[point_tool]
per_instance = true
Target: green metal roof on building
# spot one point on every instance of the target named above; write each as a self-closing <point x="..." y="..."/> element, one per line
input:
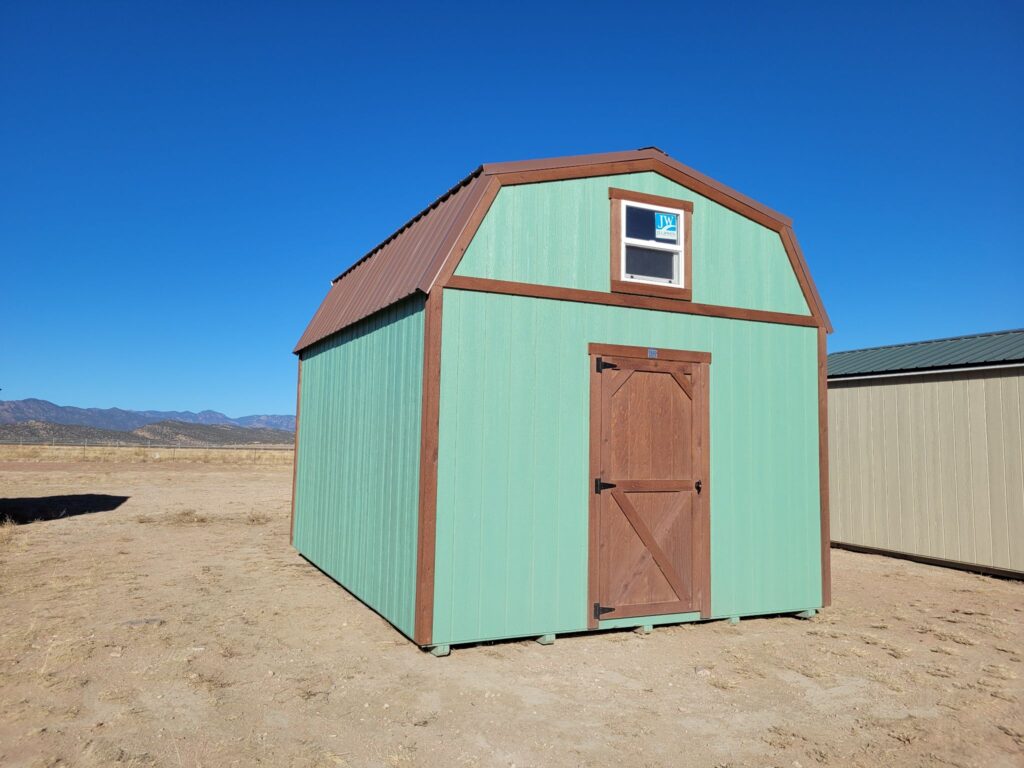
<point x="982" y="349"/>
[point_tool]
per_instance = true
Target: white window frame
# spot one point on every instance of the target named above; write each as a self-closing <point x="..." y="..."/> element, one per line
<point x="678" y="248"/>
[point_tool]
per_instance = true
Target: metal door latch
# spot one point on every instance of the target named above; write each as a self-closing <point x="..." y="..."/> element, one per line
<point x="697" y="486"/>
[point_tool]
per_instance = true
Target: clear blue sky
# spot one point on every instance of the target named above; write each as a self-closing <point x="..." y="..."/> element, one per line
<point x="179" y="182"/>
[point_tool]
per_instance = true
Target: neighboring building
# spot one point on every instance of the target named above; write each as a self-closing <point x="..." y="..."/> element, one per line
<point x="613" y="422"/>
<point x="925" y="449"/>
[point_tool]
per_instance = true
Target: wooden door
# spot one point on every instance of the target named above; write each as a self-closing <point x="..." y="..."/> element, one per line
<point x="649" y="526"/>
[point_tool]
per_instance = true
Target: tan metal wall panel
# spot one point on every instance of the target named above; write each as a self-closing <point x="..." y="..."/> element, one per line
<point x="930" y="465"/>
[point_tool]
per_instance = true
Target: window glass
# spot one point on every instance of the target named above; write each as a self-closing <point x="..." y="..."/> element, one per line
<point x="647" y="224"/>
<point x="650" y="264"/>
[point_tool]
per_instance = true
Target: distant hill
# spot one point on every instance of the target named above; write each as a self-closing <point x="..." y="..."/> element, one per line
<point x="21" y="411"/>
<point x="160" y="433"/>
<point x="45" y="432"/>
<point x="213" y="434"/>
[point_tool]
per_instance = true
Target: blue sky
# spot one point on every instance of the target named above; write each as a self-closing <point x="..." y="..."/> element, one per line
<point x="180" y="181"/>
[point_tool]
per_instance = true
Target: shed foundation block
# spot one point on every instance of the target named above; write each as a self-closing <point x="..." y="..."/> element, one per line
<point x="440" y="650"/>
<point x="810" y="613"/>
<point x="546" y="639"/>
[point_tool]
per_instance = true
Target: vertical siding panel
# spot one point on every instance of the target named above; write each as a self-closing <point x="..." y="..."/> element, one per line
<point x="521" y="480"/>
<point x="448" y="421"/>
<point x="982" y="517"/>
<point x="995" y="431"/>
<point x="853" y="408"/>
<point x="904" y="540"/>
<point x="494" y="471"/>
<point x="357" y="484"/>
<point x="469" y="502"/>
<point x="568" y="464"/>
<point x="867" y="447"/>
<point x="964" y="475"/>
<point x="1013" y="412"/>
<point x="893" y="478"/>
<point x="949" y="541"/>
<point x="931" y="535"/>
<point x="725" y="450"/>
<point x="835" y="409"/>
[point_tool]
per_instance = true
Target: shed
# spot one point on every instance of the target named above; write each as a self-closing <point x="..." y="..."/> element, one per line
<point x="571" y="394"/>
<point x="925" y="442"/>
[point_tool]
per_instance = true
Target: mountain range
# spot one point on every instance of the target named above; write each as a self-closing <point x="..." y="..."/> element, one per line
<point x="22" y="411"/>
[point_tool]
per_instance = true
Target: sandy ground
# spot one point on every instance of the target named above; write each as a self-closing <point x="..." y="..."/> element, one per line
<point x="180" y="629"/>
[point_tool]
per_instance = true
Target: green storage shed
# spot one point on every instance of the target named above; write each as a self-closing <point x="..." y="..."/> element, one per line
<point x="571" y="394"/>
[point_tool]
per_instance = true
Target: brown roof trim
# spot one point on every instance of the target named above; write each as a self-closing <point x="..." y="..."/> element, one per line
<point x="803" y="275"/>
<point x="565" y="164"/>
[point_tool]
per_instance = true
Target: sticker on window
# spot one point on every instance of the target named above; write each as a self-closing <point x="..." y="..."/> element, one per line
<point x="665" y="226"/>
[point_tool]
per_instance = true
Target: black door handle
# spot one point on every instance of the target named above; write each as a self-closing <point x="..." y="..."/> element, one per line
<point x="697" y="486"/>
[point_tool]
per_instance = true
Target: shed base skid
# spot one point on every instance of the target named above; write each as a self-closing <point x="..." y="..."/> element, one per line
<point x="642" y="625"/>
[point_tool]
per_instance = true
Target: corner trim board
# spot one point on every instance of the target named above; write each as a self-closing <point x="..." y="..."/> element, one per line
<point x="823" y="490"/>
<point x="426" y="527"/>
<point x="423" y="626"/>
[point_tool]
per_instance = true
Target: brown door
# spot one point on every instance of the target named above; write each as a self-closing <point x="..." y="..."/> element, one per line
<point x="649" y="457"/>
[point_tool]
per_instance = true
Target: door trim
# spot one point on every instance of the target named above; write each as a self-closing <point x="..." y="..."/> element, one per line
<point x="644" y="353"/>
<point x="702" y="522"/>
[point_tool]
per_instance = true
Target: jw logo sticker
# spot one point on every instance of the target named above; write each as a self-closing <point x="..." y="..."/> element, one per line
<point x="665" y="226"/>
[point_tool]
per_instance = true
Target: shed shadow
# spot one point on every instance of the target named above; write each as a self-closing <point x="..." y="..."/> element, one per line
<point x="42" y="508"/>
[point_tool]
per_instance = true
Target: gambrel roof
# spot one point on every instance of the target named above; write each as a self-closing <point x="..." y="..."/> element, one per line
<point x="413" y="258"/>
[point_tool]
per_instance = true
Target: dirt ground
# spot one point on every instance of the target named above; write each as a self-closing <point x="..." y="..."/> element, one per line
<point x="180" y="629"/>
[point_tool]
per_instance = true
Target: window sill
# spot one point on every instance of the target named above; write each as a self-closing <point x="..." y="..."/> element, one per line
<point x="648" y="289"/>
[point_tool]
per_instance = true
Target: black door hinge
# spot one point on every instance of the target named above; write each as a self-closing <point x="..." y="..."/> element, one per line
<point x="600" y="610"/>
<point x="601" y="365"/>
<point x="599" y="485"/>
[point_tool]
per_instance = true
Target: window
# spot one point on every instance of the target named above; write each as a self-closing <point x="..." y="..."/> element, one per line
<point x="650" y="243"/>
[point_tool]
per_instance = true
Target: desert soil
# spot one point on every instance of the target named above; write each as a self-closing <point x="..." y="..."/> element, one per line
<point x="180" y="629"/>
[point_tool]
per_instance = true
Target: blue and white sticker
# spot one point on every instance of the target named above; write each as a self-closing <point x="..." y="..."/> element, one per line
<point x="665" y="226"/>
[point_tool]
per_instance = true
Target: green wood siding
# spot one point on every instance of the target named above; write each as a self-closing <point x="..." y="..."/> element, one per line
<point x="557" y="233"/>
<point x="357" y="485"/>
<point x="513" y="478"/>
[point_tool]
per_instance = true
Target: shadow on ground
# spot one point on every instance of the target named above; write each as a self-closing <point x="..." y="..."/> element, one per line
<point x="30" y="510"/>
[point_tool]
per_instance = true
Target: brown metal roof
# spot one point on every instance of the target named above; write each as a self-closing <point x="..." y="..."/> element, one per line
<point x="398" y="267"/>
<point x="410" y="260"/>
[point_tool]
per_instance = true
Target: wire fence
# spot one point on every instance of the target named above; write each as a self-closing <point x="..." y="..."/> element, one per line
<point x="78" y="443"/>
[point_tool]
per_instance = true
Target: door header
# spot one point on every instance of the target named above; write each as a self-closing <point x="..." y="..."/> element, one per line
<point x="649" y="353"/>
